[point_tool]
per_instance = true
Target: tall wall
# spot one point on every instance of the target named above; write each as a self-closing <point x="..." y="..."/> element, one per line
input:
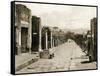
<point x="94" y="37"/>
<point x="22" y="20"/>
<point x="35" y="34"/>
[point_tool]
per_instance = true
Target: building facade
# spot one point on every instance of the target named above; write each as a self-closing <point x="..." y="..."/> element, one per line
<point x="23" y="29"/>
<point x="52" y="37"/>
<point x="30" y="36"/>
<point x="36" y="34"/>
<point x="93" y="24"/>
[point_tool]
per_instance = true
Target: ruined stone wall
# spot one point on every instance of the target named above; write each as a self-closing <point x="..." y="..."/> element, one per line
<point x="22" y="20"/>
<point x="94" y="38"/>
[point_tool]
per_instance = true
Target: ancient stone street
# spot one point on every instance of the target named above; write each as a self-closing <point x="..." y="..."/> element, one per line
<point x="68" y="56"/>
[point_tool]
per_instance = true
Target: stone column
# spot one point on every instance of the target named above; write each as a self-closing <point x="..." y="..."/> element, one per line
<point x="19" y="48"/>
<point x="30" y="33"/>
<point x="51" y="39"/>
<point x="18" y="36"/>
<point x="46" y="40"/>
<point x="40" y="50"/>
<point x="52" y="42"/>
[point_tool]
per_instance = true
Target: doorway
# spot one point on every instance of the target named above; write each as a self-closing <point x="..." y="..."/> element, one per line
<point x="24" y="38"/>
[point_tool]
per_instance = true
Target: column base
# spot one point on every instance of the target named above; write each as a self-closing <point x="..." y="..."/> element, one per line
<point x="18" y="49"/>
<point x="40" y="50"/>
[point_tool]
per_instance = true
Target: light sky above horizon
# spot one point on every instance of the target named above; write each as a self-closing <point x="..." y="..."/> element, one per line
<point x="63" y="16"/>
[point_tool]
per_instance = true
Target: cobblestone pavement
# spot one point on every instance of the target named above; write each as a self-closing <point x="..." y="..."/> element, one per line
<point x="68" y="56"/>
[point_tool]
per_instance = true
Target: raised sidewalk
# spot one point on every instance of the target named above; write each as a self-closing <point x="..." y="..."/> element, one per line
<point x="24" y="60"/>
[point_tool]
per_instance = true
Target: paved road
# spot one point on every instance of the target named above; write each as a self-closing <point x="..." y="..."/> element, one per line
<point x="67" y="57"/>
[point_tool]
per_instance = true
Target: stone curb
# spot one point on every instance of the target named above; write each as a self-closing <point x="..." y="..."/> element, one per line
<point x="26" y="64"/>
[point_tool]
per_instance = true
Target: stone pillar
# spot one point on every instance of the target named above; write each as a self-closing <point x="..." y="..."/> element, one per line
<point x="18" y="36"/>
<point x="40" y="35"/>
<point x="20" y="41"/>
<point x="51" y="39"/>
<point x="30" y="33"/>
<point x="52" y="42"/>
<point x="46" y="36"/>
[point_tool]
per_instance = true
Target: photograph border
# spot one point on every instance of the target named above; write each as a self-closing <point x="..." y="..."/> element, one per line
<point x="13" y="37"/>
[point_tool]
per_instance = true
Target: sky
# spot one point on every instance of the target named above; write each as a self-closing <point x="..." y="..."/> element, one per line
<point x="63" y="16"/>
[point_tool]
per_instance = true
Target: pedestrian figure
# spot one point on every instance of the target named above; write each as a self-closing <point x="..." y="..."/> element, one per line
<point x="88" y="45"/>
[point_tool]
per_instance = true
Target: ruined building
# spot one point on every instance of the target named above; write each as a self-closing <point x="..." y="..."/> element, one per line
<point x="93" y="24"/>
<point x="23" y="29"/>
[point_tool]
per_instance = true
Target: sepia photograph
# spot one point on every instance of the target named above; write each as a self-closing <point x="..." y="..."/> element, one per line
<point x="54" y="37"/>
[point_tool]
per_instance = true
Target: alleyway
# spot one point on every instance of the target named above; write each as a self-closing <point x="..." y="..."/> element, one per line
<point x="68" y="56"/>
